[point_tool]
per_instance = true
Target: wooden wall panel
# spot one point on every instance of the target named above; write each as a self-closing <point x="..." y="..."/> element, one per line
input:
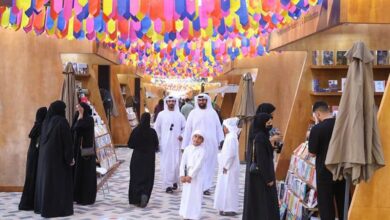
<point x="227" y="105"/>
<point x="120" y="126"/>
<point x="343" y="36"/>
<point x="31" y="76"/>
<point x="371" y="200"/>
<point x="363" y="11"/>
<point x="277" y="82"/>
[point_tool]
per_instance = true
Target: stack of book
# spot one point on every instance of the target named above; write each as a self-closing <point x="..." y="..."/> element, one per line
<point x="330" y="57"/>
<point x="104" y="148"/>
<point x="298" y="193"/>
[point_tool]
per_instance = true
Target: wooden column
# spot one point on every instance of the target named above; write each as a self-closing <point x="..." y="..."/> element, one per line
<point x="371" y="200"/>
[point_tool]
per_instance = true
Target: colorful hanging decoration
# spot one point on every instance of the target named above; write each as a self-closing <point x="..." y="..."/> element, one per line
<point x="181" y="38"/>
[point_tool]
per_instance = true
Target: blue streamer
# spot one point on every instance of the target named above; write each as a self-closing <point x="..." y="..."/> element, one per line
<point x="61" y="22"/>
<point x="145" y="24"/>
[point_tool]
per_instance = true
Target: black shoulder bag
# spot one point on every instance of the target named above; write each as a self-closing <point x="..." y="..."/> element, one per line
<point x="253" y="167"/>
<point x="87" y="151"/>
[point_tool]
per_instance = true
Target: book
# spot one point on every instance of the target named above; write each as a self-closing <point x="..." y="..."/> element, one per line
<point x="380" y="85"/>
<point x="82" y="69"/>
<point x="332" y="85"/>
<point x="315" y="85"/>
<point x="315" y="57"/>
<point x="340" y="58"/>
<point x="382" y="57"/>
<point x="327" y="57"/>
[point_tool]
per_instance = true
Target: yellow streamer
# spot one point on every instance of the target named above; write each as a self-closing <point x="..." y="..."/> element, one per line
<point x="111" y="26"/>
<point x="23" y="4"/>
<point x="107" y="7"/>
<point x="5" y="18"/>
<point x="234" y="5"/>
<point x="82" y="2"/>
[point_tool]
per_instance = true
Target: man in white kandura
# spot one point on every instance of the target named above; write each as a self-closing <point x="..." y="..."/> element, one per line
<point x="191" y="176"/>
<point x="226" y="192"/>
<point x="205" y="119"/>
<point x="169" y="125"/>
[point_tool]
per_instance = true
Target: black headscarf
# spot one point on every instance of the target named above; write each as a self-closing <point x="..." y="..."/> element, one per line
<point x="39" y="117"/>
<point x="259" y="123"/>
<point x="56" y="108"/>
<point x="265" y="108"/>
<point x="145" y="121"/>
<point x="87" y="109"/>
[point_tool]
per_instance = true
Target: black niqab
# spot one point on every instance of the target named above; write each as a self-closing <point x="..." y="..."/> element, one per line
<point x="39" y="118"/>
<point x="259" y="123"/>
<point x="56" y="108"/>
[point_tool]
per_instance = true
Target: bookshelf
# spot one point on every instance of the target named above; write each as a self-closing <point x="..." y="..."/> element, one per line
<point x="298" y="194"/>
<point x="345" y="67"/>
<point x="322" y="94"/>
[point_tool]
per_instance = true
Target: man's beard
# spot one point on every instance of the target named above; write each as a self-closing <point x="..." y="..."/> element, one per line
<point x="202" y="106"/>
<point x="171" y="107"/>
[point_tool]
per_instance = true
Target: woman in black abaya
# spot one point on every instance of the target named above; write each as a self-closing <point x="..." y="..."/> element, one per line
<point x="261" y="200"/>
<point x="144" y="142"/>
<point x="85" y="184"/>
<point x="54" y="183"/>
<point x="27" y="200"/>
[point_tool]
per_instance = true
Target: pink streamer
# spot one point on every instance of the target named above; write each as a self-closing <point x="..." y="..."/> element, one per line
<point x="57" y="5"/>
<point x="77" y="7"/>
<point x="168" y="9"/>
<point x="136" y="25"/>
<point x="134" y="6"/>
<point x="190" y="5"/>
<point x="203" y="16"/>
<point x="68" y="9"/>
<point x="90" y="24"/>
<point x="114" y="12"/>
<point x="158" y="25"/>
<point x="185" y="32"/>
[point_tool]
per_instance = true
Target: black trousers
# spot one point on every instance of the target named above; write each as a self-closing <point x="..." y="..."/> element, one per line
<point x="328" y="192"/>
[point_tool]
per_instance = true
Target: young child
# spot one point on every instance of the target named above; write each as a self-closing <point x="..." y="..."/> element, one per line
<point x="226" y="191"/>
<point x="191" y="177"/>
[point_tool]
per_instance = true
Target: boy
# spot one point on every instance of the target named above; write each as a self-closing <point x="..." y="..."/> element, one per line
<point x="226" y="192"/>
<point x="191" y="177"/>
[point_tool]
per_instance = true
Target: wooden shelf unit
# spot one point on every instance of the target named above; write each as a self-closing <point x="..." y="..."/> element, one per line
<point x="82" y="75"/>
<point x="322" y="94"/>
<point x="345" y="67"/>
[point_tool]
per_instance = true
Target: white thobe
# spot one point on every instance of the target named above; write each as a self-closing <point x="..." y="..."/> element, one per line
<point x="169" y="144"/>
<point x="226" y="191"/>
<point x="208" y="122"/>
<point x="192" y="195"/>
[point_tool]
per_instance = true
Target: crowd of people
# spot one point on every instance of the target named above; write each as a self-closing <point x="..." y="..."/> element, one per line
<point x="192" y="144"/>
<point x="57" y="172"/>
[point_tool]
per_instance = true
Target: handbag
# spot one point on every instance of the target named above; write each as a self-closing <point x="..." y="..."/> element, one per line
<point x="87" y="151"/>
<point x="253" y="167"/>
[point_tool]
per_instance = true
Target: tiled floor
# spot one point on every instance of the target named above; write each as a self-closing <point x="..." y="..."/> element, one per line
<point x="115" y="205"/>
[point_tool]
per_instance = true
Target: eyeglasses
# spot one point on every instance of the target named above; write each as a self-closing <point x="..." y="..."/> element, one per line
<point x="171" y="127"/>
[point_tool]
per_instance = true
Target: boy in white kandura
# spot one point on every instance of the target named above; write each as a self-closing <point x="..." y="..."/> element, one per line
<point x="191" y="177"/>
<point x="226" y="191"/>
